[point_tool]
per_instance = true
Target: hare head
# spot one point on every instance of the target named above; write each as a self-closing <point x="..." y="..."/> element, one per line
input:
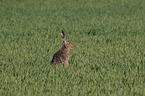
<point x="66" y="44"/>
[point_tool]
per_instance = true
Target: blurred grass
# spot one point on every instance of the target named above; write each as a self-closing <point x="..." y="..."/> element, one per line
<point x="108" y="36"/>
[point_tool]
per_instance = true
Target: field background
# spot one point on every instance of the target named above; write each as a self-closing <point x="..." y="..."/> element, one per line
<point x="109" y="47"/>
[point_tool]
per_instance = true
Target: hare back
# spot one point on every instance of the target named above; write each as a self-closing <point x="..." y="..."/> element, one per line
<point x="60" y="56"/>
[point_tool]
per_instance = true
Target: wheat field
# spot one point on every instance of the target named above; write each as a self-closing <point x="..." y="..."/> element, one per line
<point x="109" y="47"/>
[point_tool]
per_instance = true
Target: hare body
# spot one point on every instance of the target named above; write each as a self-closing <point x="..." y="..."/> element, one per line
<point x="62" y="55"/>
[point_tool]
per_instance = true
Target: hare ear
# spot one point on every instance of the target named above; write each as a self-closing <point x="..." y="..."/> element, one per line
<point x="66" y="44"/>
<point x="63" y="36"/>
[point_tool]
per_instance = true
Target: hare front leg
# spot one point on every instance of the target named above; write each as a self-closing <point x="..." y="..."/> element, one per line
<point x="66" y="64"/>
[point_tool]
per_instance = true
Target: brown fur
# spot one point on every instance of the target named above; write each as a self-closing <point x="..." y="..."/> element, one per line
<point x="62" y="55"/>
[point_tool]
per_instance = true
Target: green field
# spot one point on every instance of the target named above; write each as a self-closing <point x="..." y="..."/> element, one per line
<point x="109" y="47"/>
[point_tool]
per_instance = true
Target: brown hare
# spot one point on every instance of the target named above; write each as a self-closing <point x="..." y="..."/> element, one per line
<point x="62" y="55"/>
